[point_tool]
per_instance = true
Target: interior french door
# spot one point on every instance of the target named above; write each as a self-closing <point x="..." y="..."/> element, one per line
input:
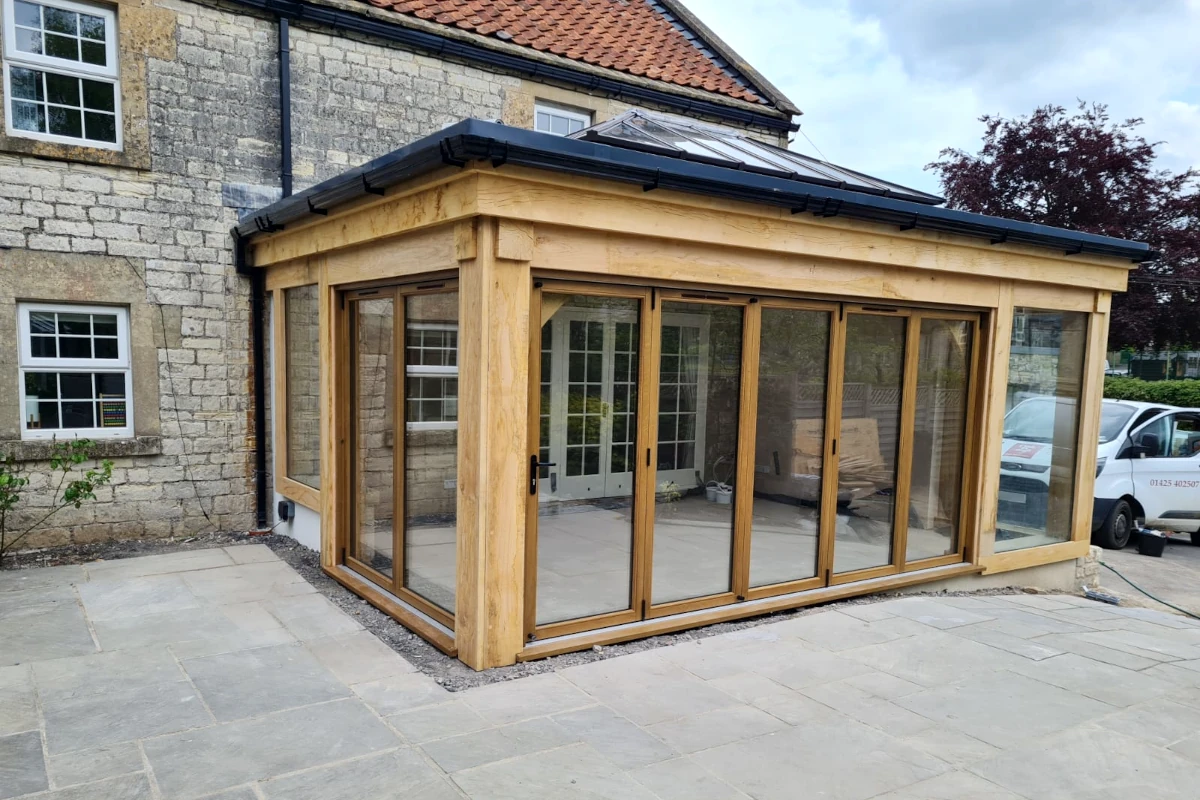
<point x="693" y="449"/>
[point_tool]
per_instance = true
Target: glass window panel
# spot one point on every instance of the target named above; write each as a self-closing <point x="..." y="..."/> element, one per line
<point x="105" y="348"/>
<point x="29" y="117"/>
<point x="543" y="122"/>
<point x="1037" y="468"/>
<point x="93" y="53"/>
<point x="42" y="415"/>
<point x="112" y="413"/>
<point x="559" y="126"/>
<point x="110" y="384"/>
<point x="41" y="385"/>
<point x="62" y="89"/>
<point x="75" y="324"/>
<point x="104" y="324"/>
<point x="100" y="127"/>
<point x="62" y="47"/>
<point x="26" y="85"/>
<point x="693" y="535"/>
<point x="75" y="347"/>
<point x="43" y="347"/>
<point x="76" y="414"/>
<point x="585" y="505"/>
<point x="41" y="322"/>
<point x="302" y="376"/>
<point x="27" y="14"/>
<point x="29" y="41"/>
<point x="789" y="445"/>
<point x="939" y="435"/>
<point x="373" y="375"/>
<point x="98" y="96"/>
<point x="65" y="122"/>
<point x="431" y="455"/>
<point x="76" y="384"/>
<point x="91" y="27"/>
<point x="870" y="437"/>
<point x="60" y="21"/>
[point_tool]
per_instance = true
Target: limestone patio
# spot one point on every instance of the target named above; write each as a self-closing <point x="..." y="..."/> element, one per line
<point x="221" y="673"/>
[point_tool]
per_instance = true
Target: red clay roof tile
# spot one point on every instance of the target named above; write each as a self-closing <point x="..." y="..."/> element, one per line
<point x="630" y="36"/>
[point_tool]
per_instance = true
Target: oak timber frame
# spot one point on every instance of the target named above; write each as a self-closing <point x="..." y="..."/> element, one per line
<point x="501" y="230"/>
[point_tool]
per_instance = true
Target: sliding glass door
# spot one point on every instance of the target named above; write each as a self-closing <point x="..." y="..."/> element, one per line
<point x="690" y="450"/>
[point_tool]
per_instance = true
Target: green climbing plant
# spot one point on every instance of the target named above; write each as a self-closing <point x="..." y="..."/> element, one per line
<point x="75" y="483"/>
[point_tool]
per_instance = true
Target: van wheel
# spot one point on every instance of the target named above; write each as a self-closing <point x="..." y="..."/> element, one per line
<point x="1115" y="532"/>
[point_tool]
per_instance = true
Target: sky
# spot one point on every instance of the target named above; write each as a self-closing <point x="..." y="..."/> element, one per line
<point x="886" y="84"/>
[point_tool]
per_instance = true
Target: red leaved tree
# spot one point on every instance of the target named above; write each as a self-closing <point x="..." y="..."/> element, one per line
<point x="1089" y="174"/>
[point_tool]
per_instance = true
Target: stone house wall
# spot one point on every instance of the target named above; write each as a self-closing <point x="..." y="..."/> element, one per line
<point x="200" y="90"/>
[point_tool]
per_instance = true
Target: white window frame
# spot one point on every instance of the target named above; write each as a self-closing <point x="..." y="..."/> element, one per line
<point x="110" y="73"/>
<point x="539" y="107"/>
<point x="429" y="371"/>
<point x="120" y="365"/>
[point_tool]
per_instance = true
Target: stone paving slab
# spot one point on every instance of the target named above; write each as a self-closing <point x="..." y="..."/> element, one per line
<point x="221" y="674"/>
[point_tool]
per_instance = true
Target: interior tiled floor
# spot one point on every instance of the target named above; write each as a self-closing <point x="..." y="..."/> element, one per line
<point x="222" y="674"/>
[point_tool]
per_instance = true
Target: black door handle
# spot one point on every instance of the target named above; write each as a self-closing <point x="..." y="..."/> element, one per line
<point x="534" y="466"/>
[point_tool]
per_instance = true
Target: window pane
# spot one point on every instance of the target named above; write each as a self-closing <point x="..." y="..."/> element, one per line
<point x="302" y="374"/>
<point x="42" y="347"/>
<point x="789" y="445"/>
<point x="76" y="384"/>
<point x="105" y="348"/>
<point x="112" y="413"/>
<point x="27" y="14"/>
<point x="29" y="41"/>
<point x="62" y="46"/>
<point x="104" y="324"/>
<point x="74" y="347"/>
<point x="559" y="125"/>
<point x="60" y="21"/>
<point x="100" y="127"/>
<point x="93" y="53"/>
<point x="110" y="384"/>
<point x="585" y="503"/>
<point x="62" y="89"/>
<point x="373" y="378"/>
<point x="693" y="527"/>
<point x="91" y="27"/>
<point x="1037" y="466"/>
<point x="431" y="456"/>
<point x="41" y="322"/>
<point x="41" y="415"/>
<point x="77" y="414"/>
<point x="939" y="435"/>
<point x="26" y="84"/>
<point x="65" y="122"/>
<point x="29" y="117"/>
<point x="41" y="385"/>
<point x="869" y="440"/>
<point x="78" y="324"/>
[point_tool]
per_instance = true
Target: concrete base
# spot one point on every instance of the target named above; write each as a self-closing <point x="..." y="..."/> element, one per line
<point x="1065" y="576"/>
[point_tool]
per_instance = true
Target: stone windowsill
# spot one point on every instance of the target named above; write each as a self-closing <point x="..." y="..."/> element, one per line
<point x="39" y="449"/>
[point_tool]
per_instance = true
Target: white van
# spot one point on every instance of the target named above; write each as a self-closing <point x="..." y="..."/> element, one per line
<point x="1147" y="468"/>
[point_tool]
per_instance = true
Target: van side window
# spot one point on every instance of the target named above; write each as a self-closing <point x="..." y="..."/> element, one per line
<point x="1185" y="436"/>
<point x="1145" y="416"/>
<point x="1156" y="436"/>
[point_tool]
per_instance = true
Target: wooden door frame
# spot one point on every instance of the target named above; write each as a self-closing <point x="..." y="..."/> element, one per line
<point x="399" y="293"/>
<point x="532" y="630"/>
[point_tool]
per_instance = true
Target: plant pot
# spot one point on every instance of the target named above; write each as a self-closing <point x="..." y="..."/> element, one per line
<point x="1152" y="543"/>
<point x="724" y="494"/>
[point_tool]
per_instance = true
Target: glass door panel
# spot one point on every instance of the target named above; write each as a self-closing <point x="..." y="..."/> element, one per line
<point x="939" y="438"/>
<point x="588" y="424"/>
<point x="372" y="338"/>
<point x="700" y="366"/>
<point x="868" y="445"/>
<point x="789" y="445"/>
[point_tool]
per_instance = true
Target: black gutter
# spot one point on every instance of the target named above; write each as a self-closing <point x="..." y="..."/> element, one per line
<point x="475" y="140"/>
<point x="485" y="56"/>
<point x="285" y="107"/>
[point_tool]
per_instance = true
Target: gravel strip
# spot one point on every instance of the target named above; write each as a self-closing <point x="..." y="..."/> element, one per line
<point x="449" y="672"/>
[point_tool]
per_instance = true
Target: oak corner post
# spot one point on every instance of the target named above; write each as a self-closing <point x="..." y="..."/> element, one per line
<point x="493" y="439"/>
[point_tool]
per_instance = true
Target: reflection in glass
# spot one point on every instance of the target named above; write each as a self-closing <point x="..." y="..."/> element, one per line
<point x="588" y="425"/>
<point x="870" y="437"/>
<point x="1037" y="455"/>
<point x="939" y="434"/>
<point x="372" y="335"/>
<point x="302" y="376"/>
<point x="431" y="445"/>
<point x="700" y="386"/>
<point x="789" y="445"/>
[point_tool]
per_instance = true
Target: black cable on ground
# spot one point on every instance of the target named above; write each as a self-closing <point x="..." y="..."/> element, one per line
<point x="1152" y="597"/>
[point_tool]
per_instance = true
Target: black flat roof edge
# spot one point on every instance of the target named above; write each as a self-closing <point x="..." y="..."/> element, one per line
<point x="476" y="140"/>
<point x="298" y="10"/>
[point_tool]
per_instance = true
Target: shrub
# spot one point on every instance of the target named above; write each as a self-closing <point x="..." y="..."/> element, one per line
<point x="1175" y="393"/>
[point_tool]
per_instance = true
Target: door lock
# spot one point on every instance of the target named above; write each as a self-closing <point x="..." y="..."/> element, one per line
<point x="534" y="466"/>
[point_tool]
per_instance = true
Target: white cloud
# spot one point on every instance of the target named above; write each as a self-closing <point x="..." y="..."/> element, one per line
<point x="885" y="85"/>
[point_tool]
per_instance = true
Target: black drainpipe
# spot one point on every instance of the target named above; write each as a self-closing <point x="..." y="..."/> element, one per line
<point x="285" y="108"/>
